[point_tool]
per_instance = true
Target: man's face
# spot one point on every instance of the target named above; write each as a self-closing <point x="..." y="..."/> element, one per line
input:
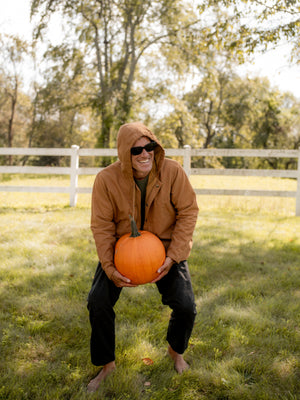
<point x="142" y="163"/>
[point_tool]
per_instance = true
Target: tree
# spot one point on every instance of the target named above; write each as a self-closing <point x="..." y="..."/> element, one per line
<point x="226" y="111"/>
<point x="260" y="23"/>
<point x="61" y="115"/>
<point x="13" y="52"/>
<point x="115" y="35"/>
<point x="134" y="52"/>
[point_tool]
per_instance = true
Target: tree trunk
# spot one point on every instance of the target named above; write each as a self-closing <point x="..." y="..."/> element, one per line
<point x="14" y="97"/>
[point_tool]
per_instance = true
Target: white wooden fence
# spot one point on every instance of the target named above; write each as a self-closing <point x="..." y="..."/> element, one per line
<point x="187" y="152"/>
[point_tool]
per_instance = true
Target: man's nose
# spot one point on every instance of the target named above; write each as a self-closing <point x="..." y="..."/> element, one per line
<point x="144" y="153"/>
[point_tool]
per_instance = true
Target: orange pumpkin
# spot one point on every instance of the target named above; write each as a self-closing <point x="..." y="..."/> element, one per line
<point x="138" y="255"/>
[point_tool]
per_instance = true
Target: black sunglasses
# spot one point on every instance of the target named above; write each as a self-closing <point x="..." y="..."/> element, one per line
<point x="135" y="151"/>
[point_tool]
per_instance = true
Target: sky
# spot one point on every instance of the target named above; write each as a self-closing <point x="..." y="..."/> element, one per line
<point x="15" y="18"/>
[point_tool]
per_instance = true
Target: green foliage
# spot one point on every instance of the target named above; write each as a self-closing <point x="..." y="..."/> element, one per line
<point x="14" y="105"/>
<point x="245" y="272"/>
<point x="261" y="23"/>
<point x="61" y="107"/>
<point x="115" y="35"/>
<point x="120" y="61"/>
<point x="226" y="111"/>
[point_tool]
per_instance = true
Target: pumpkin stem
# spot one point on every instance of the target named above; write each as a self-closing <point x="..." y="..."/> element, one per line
<point x="134" y="229"/>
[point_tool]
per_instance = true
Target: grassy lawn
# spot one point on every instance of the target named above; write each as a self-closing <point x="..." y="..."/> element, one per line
<point x="245" y="269"/>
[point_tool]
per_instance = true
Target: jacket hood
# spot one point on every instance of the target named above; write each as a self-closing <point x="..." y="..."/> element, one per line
<point x="128" y="134"/>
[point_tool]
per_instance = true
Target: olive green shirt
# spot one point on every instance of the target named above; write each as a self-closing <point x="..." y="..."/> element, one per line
<point x="142" y="184"/>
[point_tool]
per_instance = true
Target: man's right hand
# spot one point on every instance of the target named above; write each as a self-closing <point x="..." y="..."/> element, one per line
<point x="120" y="280"/>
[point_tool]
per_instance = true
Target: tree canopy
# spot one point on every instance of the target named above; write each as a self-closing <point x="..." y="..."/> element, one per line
<point x="170" y="63"/>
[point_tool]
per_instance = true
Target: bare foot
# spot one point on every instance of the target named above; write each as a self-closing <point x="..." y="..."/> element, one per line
<point x="179" y="364"/>
<point x="105" y="371"/>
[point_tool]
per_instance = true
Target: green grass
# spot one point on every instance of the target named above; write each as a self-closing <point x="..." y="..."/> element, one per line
<point x="245" y="269"/>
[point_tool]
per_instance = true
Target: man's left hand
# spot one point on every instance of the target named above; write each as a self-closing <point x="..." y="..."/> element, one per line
<point x="164" y="269"/>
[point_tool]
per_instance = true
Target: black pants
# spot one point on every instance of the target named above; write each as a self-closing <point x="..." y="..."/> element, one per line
<point x="176" y="291"/>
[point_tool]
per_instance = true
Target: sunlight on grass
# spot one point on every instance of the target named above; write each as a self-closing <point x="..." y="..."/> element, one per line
<point x="285" y="368"/>
<point x="245" y="268"/>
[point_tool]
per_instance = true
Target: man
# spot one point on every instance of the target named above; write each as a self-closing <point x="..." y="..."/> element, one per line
<point x="157" y="192"/>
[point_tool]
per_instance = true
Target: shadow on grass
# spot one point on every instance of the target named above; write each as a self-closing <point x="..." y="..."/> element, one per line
<point x="247" y="330"/>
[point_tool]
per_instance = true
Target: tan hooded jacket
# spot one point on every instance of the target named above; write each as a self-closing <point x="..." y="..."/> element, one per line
<point x="170" y="207"/>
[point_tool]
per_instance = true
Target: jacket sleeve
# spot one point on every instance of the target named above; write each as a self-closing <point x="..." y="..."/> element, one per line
<point x="184" y="201"/>
<point x="102" y="225"/>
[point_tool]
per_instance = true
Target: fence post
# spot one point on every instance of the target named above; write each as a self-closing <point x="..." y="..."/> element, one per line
<point x="298" y="187"/>
<point x="187" y="159"/>
<point x="73" y="175"/>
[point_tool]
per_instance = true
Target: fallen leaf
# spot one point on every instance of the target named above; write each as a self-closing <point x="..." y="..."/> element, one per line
<point x="147" y="361"/>
<point x="147" y="384"/>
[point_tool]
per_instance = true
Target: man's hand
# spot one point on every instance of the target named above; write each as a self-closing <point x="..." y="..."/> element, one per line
<point x="120" y="280"/>
<point x="164" y="269"/>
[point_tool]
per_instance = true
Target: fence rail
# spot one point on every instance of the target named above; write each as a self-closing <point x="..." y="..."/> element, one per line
<point x="187" y="153"/>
